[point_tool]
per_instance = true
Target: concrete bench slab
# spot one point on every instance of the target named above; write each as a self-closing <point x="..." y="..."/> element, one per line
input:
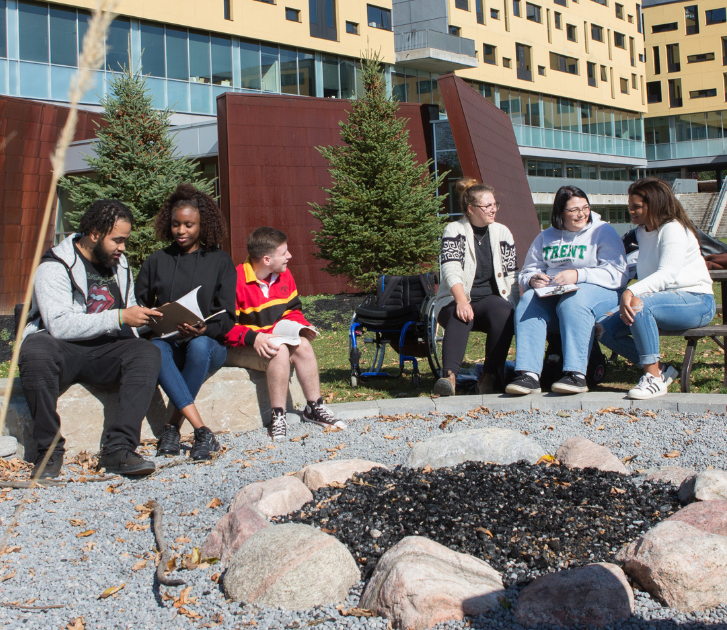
<point x="232" y="399"/>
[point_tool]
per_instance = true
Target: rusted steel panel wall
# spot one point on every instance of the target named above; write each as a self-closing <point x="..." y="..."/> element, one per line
<point x="28" y="133"/>
<point x="270" y="170"/>
<point x="488" y="151"/>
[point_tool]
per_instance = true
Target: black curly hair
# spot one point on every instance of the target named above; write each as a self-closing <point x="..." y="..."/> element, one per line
<point x="213" y="228"/>
<point x="102" y="215"/>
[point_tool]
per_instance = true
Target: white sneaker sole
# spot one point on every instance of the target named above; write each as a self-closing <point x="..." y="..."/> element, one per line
<point x="339" y="424"/>
<point x="568" y="389"/>
<point x="520" y="390"/>
<point x="640" y="394"/>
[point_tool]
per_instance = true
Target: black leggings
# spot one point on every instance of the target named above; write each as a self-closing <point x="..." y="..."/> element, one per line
<point x="494" y="316"/>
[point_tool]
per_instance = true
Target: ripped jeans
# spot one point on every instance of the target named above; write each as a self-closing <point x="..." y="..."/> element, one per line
<point x="668" y="310"/>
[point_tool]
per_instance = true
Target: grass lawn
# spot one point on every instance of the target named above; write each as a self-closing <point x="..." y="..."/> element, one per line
<point x="332" y="352"/>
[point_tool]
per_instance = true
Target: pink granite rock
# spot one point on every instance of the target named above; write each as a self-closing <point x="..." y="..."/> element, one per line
<point x="708" y="485"/>
<point x="578" y="452"/>
<point x="233" y="529"/>
<point x="322" y="474"/>
<point x="707" y="516"/>
<point x="419" y="583"/>
<point x="596" y="594"/>
<point x="674" y="475"/>
<point x="274" y="497"/>
<point x="680" y="565"/>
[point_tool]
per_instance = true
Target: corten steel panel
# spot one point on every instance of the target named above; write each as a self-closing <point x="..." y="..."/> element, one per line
<point x="488" y="151"/>
<point x="28" y="133"/>
<point x="269" y="171"/>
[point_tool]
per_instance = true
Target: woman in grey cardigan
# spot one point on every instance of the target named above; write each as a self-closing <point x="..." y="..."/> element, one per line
<point x="478" y="287"/>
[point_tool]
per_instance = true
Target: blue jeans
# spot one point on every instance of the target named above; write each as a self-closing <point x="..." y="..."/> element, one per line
<point x="185" y="366"/>
<point x="574" y="313"/>
<point x="668" y="310"/>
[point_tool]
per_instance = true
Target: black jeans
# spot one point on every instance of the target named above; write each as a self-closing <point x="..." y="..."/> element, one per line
<point x="494" y="316"/>
<point x="49" y="366"/>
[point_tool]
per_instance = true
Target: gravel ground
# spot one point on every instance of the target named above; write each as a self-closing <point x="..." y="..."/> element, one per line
<point x="54" y="566"/>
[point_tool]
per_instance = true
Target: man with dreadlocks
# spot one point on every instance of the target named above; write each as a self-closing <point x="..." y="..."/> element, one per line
<point x="80" y="331"/>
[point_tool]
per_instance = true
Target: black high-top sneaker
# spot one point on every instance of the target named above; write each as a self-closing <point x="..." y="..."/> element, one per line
<point x="168" y="443"/>
<point x="317" y="413"/>
<point x="278" y="425"/>
<point x="205" y="443"/>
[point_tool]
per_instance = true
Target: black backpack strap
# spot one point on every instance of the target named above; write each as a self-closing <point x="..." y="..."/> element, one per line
<point x="394" y="282"/>
<point x="427" y="283"/>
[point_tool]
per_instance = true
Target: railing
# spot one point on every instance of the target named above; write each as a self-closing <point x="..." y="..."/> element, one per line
<point x="715" y="217"/>
<point x="684" y="186"/>
<point x="414" y="40"/>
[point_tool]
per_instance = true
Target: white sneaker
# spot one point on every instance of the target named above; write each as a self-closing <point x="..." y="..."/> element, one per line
<point x="649" y="387"/>
<point x="669" y="374"/>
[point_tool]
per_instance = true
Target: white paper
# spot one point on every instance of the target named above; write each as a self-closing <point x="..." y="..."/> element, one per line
<point x="556" y="290"/>
<point x="191" y="303"/>
<point x="288" y="332"/>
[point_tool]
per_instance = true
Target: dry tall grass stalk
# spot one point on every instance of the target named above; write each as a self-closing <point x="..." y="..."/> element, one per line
<point x="92" y="57"/>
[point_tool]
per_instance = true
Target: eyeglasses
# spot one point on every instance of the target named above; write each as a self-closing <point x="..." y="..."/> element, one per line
<point x="574" y="211"/>
<point x="489" y="207"/>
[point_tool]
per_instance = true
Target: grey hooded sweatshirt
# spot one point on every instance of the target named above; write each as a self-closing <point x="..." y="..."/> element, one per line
<point x="596" y="252"/>
<point x="59" y="297"/>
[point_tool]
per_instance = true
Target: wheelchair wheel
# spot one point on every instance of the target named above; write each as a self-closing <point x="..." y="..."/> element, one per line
<point x="366" y="354"/>
<point x="435" y="334"/>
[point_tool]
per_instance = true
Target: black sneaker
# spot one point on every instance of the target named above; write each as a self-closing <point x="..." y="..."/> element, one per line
<point x="125" y="462"/>
<point x="523" y="384"/>
<point x="205" y="443"/>
<point x="278" y="425"/>
<point x="571" y="383"/>
<point x="318" y="413"/>
<point x="168" y="443"/>
<point x="52" y="467"/>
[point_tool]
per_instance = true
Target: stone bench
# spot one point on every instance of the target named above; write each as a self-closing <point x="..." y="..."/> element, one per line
<point x="232" y="399"/>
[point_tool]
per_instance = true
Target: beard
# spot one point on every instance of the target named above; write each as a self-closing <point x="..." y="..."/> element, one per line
<point x="106" y="259"/>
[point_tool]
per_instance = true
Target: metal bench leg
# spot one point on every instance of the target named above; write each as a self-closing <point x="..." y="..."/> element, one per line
<point x="687" y="365"/>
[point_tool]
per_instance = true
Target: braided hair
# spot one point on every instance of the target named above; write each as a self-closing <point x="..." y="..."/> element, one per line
<point x="213" y="227"/>
<point x="102" y="215"/>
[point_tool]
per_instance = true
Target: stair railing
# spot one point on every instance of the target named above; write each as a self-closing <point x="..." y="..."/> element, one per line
<point x="718" y="209"/>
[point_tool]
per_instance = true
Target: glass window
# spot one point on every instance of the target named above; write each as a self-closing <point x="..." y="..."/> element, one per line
<point x="117" y="44"/>
<point x="624" y="86"/>
<point x="700" y="58"/>
<point x="532" y="12"/>
<point x="703" y="93"/>
<point x="664" y="28"/>
<point x="454" y="30"/>
<point x="683" y="128"/>
<point x="619" y="40"/>
<point x="227" y="10"/>
<point x="379" y="18"/>
<point x="558" y="23"/>
<point x="288" y="71"/>
<point x="699" y="127"/>
<point x="653" y="92"/>
<point x="495" y="14"/>
<point x="691" y="19"/>
<point x="516" y="8"/>
<point x="250" y="65"/>
<point x="398" y="86"/>
<point x="714" y="125"/>
<point x="293" y="15"/>
<point x="548" y="112"/>
<point x="269" y="68"/>
<point x="152" y="49"/>
<point x="462" y="4"/>
<point x="571" y="32"/>
<point x="352" y="28"/>
<point x="480" y="12"/>
<point x="348" y="80"/>
<point x="604" y="73"/>
<point x="83" y="19"/>
<point x="221" y="60"/>
<point x="176" y="42"/>
<point x="596" y="33"/>
<point x="620" y="11"/>
<point x="3" y="30"/>
<point x="716" y="16"/>
<point x="561" y="63"/>
<point x="62" y="36"/>
<point x="425" y="87"/>
<point x="33" y="31"/>
<point x="505" y="100"/>
<point x="562" y="3"/>
<point x="199" y="57"/>
<point x="672" y="58"/>
<point x="657" y="61"/>
<point x="330" y="77"/>
<point x="516" y="110"/>
<point x="591" y="73"/>
<point x="490" y="54"/>
<point x="306" y="74"/>
<point x="506" y="62"/>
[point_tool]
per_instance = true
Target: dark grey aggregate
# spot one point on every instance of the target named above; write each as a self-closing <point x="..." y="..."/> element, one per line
<point x="53" y="566"/>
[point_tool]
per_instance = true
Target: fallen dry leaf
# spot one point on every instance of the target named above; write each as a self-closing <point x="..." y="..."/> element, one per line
<point x="138" y="566"/>
<point x="548" y="459"/>
<point x="182" y="539"/>
<point x="485" y="531"/>
<point x="391" y="437"/>
<point x="8" y="576"/>
<point x="601" y="428"/>
<point x="215" y="577"/>
<point x="626" y="460"/>
<point x="617" y="491"/>
<point x="189" y="613"/>
<point x="214" y="503"/>
<point x="617" y="410"/>
<point x="88" y="532"/>
<point x="672" y="455"/>
<point x="366" y="429"/>
<point x="354" y="612"/>
<point x="77" y="522"/>
<point x="77" y="624"/>
<point x="11" y="549"/>
<point x="649" y="413"/>
<point x="112" y="590"/>
<point x="136" y="527"/>
<point x="427" y="469"/>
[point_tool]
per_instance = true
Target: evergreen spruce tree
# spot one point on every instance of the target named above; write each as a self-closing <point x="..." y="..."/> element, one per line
<point x="381" y="213"/>
<point x="136" y="162"/>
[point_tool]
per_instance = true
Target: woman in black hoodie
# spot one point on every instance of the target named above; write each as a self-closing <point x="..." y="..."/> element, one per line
<point x="192" y="220"/>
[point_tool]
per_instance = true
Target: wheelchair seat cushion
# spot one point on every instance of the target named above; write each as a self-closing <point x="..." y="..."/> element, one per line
<point x="374" y="317"/>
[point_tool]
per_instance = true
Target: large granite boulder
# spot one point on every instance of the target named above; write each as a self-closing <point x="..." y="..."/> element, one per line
<point x="232" y="530"/>
<point x="293" y="566"/>
<point x="274" y="497"/>
<point x="596" y="594"/>
<point x="317" y="476"/>
<point x="680" y="565"/>
<point x="85" y="411"/>
<point x="419" y="583"/>
<point x="707" y="516"/>
<point x="675" y="475"/>
<point x="497" y="446"/>
<point x="708" y="485"/>
<point x="578" y="452"/>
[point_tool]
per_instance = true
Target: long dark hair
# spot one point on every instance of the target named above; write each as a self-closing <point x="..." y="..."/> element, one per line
<point x="564" y="194"/>
<point x="662" y="206"/>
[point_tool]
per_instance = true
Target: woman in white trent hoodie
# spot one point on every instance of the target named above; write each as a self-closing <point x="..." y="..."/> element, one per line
<point x="674" y="291"/>
<point x="579" y="248"/>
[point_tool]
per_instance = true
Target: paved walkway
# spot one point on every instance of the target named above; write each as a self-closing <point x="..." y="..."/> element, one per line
<point x="592" y="401"/>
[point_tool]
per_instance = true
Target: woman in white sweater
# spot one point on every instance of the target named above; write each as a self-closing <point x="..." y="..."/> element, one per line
<point x="478" y="286"/>
<point x="674" y="291"/>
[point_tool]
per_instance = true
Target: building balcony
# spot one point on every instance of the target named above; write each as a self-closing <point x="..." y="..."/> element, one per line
<point x="434" y="51"/>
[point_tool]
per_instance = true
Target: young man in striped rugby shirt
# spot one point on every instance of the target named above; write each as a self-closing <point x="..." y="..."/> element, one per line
<point x="266" y="294"/>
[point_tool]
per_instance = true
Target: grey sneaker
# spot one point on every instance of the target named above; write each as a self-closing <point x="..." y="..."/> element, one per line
<point x="317" y="413"/>
<point x="278" y="425"/>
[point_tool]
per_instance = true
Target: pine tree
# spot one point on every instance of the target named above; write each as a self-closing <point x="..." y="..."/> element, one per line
<point x="135" y="162"/>
<point x="381" y="215"/>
